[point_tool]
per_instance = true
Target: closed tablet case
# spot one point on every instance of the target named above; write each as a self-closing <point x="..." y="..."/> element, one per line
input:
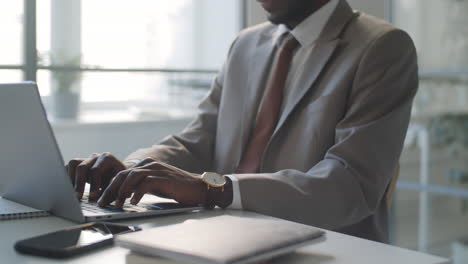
<point x="222" y="239"/>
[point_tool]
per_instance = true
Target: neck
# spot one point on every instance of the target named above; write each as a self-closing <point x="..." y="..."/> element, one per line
<point x="309" y="10"/>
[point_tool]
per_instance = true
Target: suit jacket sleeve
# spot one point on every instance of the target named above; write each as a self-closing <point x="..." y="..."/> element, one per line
<point x="350" y="182"/>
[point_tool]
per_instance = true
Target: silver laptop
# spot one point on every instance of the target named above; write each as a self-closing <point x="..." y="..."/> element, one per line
<point x="32" y="170"/>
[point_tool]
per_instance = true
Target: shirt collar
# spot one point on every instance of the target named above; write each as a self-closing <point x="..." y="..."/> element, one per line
<point x="309" y="30"/>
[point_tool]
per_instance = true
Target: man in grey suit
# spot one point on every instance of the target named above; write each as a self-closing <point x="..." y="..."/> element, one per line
<point x="305" y="121"/>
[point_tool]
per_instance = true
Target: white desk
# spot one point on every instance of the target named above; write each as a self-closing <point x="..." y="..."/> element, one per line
<point x="337" y="248"/>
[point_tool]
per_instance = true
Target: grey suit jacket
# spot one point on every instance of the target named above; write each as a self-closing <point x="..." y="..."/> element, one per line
<point x="337" y="143"/>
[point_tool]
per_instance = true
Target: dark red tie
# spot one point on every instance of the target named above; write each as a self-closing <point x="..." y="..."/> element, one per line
<point x="269" y="112"/>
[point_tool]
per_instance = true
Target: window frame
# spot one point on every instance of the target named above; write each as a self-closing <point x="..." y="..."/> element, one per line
<point x="30" y="61"/>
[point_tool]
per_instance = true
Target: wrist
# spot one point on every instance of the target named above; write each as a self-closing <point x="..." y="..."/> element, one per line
<point x="220" y="196"/>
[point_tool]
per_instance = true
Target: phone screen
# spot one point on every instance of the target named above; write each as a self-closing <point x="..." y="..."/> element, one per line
<point x="73" y="239"/>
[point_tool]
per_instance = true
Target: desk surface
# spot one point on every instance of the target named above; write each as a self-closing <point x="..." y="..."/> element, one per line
<point x="337" y="248"/>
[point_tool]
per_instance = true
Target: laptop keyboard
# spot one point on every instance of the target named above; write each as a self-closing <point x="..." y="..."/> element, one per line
<point x="127" y="207"/>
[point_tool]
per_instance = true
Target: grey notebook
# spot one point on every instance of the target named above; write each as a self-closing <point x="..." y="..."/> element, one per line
<point x="10" y="210"/>
<point x="222" y="239"/>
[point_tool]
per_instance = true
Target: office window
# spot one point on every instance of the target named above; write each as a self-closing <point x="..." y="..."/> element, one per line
<point x="7" y="76"/>
<point x="11" y="31"/>
<point x="149" y="34"/>
<point x="122" y="53"/>
<point x="156" y="41"/>
<point x="431" y="213"/>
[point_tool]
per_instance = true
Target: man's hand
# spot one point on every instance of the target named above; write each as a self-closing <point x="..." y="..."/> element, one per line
<point x="98" y="170"/>
<point x="159" y="179"/>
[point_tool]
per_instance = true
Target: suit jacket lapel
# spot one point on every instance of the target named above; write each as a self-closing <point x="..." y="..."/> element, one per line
<point x="314" y="65"/>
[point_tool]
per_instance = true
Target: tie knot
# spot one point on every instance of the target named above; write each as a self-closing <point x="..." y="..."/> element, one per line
<point x="289" y="42"/>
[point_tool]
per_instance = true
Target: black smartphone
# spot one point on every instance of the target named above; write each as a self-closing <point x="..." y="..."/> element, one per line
<point x="74" y="240"/>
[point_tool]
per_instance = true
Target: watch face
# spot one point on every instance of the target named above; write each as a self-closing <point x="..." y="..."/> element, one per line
<point x="214" y="179"/>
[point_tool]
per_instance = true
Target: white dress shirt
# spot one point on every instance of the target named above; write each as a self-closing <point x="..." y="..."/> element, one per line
<point x="306" y="33"/>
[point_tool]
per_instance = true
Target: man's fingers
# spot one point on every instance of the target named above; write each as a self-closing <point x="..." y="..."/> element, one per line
<point x="71" y="167"/>
<point x="137" y="195"/>
<point x="144" y="162"/>
<point x="104" y="165"/>
<point x="110" y="193"/>
<point x="151" y="184"/>
<point x="131" y="182"/>
<point x="81" y="174"/>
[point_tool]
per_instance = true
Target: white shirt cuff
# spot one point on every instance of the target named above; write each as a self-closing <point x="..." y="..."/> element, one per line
<point x="236" y="196"/>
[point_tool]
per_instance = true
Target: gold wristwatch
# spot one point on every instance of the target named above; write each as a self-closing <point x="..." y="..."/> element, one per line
<point x="214" y="180"/>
